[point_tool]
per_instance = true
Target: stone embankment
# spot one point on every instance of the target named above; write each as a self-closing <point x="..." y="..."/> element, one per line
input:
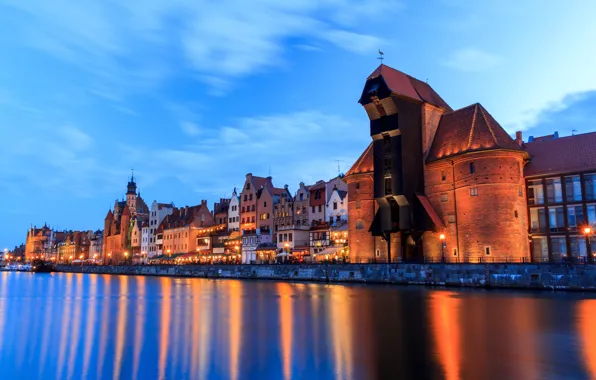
<point x="516" y="276"/>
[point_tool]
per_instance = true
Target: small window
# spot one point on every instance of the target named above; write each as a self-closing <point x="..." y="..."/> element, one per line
<point x="320" y="208"/>
<point x="520" y="191"/>
<point x="451" y="218"/>
<point x="360" y="225"/>
<point x="388" y="189"/>
<point x="443" y="176"/>
<point x="454" y="251"/>
<point x="444" y="198"/>
<point x="357" y="185"/>
<point x="487" y="251"/>
<point x="264" y="204"/>
<point x="472" y="168"/>
<point x="378" y="253"/>
<point x="516" y="214"/>
<point x="474" y="191"/>
<point x="335" y="205"/>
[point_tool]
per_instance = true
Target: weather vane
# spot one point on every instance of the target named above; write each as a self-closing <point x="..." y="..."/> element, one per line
<point x="381" y="56"/>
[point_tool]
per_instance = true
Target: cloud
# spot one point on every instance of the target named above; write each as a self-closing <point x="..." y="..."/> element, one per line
<point x="190" y="128"/>
<point x="284" y="143"/>
<point x="472" y="60"/>
<point x="574" y="114"/>
<point x="132" y="45"/>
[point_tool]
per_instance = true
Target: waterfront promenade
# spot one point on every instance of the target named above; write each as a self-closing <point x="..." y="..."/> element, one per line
<point x="576" y="277"/>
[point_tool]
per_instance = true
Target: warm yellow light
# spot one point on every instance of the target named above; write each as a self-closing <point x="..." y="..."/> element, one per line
<point x="125" y="254"/>
<point x="81" y="256"/>
<point x="109" y="255"/>
<point x="442" y="236"/>
<point x="587" y="230"/>
<point x="286" y="245"/>
<point x="71" y="257"/>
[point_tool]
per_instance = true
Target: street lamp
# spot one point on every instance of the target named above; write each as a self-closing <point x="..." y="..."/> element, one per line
<point x="588" y="231"/>
<point x="442" y="238"/>
<point x="126" y="256"/>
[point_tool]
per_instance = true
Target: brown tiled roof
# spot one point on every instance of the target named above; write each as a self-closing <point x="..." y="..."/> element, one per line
<point x="110" y="215"/>
<point x="126" y="211"/>
<point x="259" y="182"/>
<point x="562" y="155"/>
<point x="402" y="84"/>
<point x="319" y="185"/>
<point x="364" y="163"/>
<point x="469" y="129"/>
<point x="278" y="191"/>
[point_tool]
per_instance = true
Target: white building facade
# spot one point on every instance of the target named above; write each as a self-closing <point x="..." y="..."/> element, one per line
<point x="234" y="212"/>
<point x="157" y="214"/>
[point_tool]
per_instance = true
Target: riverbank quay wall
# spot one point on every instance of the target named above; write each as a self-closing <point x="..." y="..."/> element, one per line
<point x="516" y="276"/>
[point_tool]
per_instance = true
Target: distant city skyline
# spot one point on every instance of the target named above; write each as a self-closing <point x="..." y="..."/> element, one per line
<point x="193" y="96"/>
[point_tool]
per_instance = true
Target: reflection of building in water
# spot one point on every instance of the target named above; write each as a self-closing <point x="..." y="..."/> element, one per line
<point x="121" y="324"/>
<point x="235" y="330"/>
<point x="444" y="310"/>
<point x="587" y="332"/>
<point x="139" y="323"/>
<point x="165" y="322"/>
<point x="91" y="326"/>
<point x="340" y="324"/>
<point x="286" y="320"/>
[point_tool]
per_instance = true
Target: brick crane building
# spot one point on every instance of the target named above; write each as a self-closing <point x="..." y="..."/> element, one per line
<point x="434" y="183"/>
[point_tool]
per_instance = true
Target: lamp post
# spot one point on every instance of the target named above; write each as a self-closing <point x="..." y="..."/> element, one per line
<point x="442" y="238"/>
<point x="126" y="257"/>
<point x="588" y="232"/>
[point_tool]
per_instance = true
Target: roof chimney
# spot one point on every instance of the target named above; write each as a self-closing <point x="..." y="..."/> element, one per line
<point x="518" y="138"/>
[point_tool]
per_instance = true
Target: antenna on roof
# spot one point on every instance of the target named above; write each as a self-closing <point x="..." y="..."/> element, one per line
<point x="269" y="171"/>
<point x="573" y="132"/>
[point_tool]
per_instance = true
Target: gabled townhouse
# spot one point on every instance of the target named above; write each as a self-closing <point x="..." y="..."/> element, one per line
<point x="181" y="227"/>
<point x="317" y="202"/>
<point x="220" y="211"/>
<point x="234" y="212"/>
<point x="248" y="201"/>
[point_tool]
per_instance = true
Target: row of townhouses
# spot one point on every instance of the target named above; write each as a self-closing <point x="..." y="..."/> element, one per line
<point x="434" y="184"/>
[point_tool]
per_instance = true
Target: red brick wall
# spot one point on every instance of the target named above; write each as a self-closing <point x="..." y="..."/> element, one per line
<point x="361" y="207"/>
<point x="494" y="218"/>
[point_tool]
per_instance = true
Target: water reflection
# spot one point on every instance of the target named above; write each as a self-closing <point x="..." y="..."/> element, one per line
<point x="587" y="330"/>
<point x="445" y="326"/>
<point x="139" y="323"/>
<point x="90" y="325"/>
<point x="164" y="328"/>
<point x="84" y="326"/>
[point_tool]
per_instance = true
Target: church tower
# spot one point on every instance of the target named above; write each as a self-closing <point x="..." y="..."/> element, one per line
<point x="131" y="193"/>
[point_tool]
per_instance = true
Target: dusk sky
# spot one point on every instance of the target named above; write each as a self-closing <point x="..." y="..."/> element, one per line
<point x="195" y="94"/>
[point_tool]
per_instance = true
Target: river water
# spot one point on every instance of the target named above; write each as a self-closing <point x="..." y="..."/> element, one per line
<point x="77" y="326"/>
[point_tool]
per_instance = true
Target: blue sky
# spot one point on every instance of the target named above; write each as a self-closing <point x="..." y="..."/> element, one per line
<point x="195" y="94"/>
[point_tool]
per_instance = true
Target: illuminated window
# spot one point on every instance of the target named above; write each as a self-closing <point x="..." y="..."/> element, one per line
<point x="474" y="191"/>
<point x="444" y="197"/>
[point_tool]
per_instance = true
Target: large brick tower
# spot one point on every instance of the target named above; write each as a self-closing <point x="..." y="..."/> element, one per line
<point x="474" y="179"/>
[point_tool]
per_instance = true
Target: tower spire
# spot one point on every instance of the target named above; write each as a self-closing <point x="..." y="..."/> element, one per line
<point x="132" y="176"/>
